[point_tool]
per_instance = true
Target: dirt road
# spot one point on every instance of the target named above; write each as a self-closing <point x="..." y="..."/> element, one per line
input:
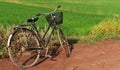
<point x="104" y="55"/>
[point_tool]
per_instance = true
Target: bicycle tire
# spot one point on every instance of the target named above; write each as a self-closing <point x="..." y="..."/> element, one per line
<point x="63" y="42"/>
<point x="18" y="43"/>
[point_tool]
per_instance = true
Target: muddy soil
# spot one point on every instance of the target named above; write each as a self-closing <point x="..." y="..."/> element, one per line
<point x="104" y="55"/>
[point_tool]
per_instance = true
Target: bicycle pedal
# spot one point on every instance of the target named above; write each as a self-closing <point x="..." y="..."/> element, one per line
<point x="48" y="56"/>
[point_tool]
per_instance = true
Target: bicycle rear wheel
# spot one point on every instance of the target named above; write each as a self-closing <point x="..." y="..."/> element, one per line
<point x="63" y="42"/>
<point x="19" y="44"/>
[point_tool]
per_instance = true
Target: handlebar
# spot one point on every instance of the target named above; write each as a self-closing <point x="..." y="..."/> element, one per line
<point x="58" y="6"/>
<point x="41" y="14"/>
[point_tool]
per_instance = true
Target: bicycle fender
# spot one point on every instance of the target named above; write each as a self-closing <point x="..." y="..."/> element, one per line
<point x="8" y="42"/>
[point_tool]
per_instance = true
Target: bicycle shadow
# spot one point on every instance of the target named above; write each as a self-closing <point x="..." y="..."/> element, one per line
<point x="55" y="51"/>
<point x="72" y="41"/>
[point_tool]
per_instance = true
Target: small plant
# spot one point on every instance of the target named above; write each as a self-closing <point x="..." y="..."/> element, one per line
<point x="108" y="28"/>
<point x="4" y="33"/>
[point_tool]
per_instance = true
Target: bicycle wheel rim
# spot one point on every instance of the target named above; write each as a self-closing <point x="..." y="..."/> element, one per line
<point x="19" y="55"/>
<point x="64" y="43"/>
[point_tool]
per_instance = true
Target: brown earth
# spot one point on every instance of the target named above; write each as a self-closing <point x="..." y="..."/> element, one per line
<point x="104" y="55"/>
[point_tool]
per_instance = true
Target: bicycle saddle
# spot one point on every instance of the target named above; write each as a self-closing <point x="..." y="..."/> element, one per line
<point x="32" y="19"/>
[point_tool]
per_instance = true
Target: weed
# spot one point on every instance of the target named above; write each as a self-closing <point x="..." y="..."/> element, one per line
<point x="108" y="28"/>
<point x="4" y="33"/>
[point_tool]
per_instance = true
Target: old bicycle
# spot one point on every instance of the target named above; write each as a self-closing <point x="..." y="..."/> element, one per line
<point x="26" y="45"/>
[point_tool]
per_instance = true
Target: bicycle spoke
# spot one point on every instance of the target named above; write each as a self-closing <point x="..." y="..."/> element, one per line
<point x="64" y="42"/>
<point x="19" y="51"/>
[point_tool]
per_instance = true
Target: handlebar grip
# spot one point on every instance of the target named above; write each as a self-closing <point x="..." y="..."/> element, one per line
<point x="40" y="14"/>
<point x="58" y="6"/>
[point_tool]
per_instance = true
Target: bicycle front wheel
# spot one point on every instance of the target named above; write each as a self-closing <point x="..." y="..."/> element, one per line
<point x="63" y="42"/>
<point x="19" y="44"/>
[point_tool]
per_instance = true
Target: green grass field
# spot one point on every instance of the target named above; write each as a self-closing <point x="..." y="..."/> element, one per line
<point x="80" y="16"/>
